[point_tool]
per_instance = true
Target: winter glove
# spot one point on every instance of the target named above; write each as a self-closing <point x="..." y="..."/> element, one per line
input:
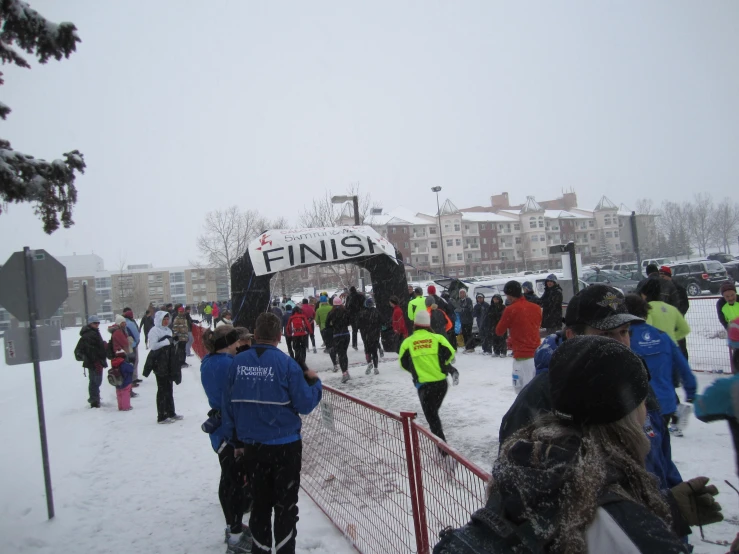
<point x="696" y="503"/>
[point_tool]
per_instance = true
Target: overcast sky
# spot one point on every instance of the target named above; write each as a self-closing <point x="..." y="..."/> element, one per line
<point x="181" y="107"/>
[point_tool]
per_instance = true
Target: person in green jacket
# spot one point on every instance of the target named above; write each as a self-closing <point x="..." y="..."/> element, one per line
<point x="417" y="304"/>
<point x="320" y="319"/>
<point x="428" y="358"/>
<point x="663" y="316"/>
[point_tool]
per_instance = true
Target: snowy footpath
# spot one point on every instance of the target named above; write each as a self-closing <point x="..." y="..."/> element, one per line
<point x="121" y="482"/>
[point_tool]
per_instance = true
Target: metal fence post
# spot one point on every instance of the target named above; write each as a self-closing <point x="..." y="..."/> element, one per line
<point x="419" y="484"/>
<point x="419" y="519"/>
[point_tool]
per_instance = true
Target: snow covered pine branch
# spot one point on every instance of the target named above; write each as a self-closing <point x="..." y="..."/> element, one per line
<point x="23" y="178"/>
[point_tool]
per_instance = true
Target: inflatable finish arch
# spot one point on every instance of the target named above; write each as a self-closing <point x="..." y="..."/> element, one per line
<point x="283" y="249"/>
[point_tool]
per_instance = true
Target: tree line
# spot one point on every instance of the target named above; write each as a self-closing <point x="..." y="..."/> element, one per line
<point x="691" y="227"/>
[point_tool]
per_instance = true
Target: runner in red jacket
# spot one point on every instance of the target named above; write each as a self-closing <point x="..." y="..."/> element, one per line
<point x="522" y="320"/>
<point x="310" y="312"/>
<point x="298" y="328"/>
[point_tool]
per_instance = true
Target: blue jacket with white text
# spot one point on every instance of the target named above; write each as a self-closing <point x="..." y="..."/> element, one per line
<point x="264" y="395"/>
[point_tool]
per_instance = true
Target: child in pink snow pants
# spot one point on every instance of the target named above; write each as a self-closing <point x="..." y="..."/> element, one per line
<point x="123" y="391"/>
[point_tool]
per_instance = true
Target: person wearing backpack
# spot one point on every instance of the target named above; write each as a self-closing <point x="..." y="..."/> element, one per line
<point x="90" y="350"/>
<point x="575" y="480"/>
<point x="122" y="373"/>
<point x="297" y="328"/>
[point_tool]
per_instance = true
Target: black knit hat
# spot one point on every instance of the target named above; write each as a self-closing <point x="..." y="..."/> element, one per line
<point x="596" y="380"/>
<point x="512" y="288"/>
<point x="600" y="307"/>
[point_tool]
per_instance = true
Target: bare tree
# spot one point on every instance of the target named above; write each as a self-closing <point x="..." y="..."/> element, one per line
<point x="701" y="221"/>
<point x="673" y="224"/>
<point x="726" y="217"/>
<point x="227" y="234"/>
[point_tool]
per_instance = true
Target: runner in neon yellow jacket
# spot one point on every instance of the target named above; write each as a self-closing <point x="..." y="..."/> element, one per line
<point x="428" y="357"/>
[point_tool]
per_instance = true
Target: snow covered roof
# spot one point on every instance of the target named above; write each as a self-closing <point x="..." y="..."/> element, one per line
<point x="605" y="204"/>
<point x="531" y="205"/>
<point x="563" y="214"/>
<point x="488" y="216"/>
<point x="399" y="216"/>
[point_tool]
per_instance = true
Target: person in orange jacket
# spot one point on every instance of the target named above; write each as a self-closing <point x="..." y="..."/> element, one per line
<point x="523" y="319"/>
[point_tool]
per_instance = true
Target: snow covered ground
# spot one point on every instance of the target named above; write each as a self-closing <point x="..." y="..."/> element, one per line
<point x="121" y="482"/>
<point x="124" y="484"/>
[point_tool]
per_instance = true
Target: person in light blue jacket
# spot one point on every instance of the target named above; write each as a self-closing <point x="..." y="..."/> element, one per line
<point x="265" y="394"/>
<point x="721" y="401"/>
<point x="133" y="331"/>
<point x="222" y="345"/>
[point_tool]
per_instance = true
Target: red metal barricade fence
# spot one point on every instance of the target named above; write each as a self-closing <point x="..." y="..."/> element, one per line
<point x="382" y="479"/>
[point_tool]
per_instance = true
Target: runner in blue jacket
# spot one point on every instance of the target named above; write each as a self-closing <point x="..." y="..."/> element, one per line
<point x="222" y="345"/>
<point x="266" y="391"/>
<point x="662" y="356"/>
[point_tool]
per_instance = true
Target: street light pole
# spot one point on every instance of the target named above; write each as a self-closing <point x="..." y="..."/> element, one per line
<point x="441" y="236"/>
<point x="354" y="199"/>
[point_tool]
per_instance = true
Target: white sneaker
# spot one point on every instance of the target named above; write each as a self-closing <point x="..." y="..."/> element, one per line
<point x="468" y="351"/>
<point x="377" y="371"/>
<point x="314" y="350"/>
<point x="369" y="368"/>
<point x="382" y="354"/>
<point x="345" y="377"/>
<point x="455" y="379"/>
<point x="336" y="368"/>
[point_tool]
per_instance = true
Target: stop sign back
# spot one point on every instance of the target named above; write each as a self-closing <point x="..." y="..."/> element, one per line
<point x="50" y="285"/>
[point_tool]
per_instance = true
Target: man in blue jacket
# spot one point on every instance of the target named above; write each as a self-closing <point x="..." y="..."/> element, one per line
<point x="265" y="393"/>
<point x="663" y="357"/>
<point x="133" y="331"/>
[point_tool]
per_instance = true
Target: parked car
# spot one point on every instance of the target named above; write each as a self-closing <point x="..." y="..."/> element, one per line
<point x="610" y="278"/>
<point x="732" y="269"/>
<point x="698" y="276"/>
<point x="626" y="267"/>
<point x="721" y="257"/>
<point x="634" y="275"/>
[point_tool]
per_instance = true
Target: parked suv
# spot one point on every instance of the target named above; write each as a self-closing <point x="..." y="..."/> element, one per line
<point x="699" y="276"/>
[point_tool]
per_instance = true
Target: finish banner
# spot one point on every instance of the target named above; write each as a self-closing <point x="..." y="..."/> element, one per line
<point x="283" y="249"/>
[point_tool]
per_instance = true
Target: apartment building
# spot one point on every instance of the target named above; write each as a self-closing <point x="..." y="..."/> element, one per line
<point x="488" y="240"/>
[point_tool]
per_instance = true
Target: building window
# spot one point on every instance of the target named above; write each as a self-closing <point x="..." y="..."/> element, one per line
<point x="615" y="234"/>
<point x="541" y="223"/>
<point x="392" y="230"/>
<point x="457" y="227"/>
<point x="592" y="236"/>
<point x="458" y="242"/>
<point x="466" y="227"/>
<point x="609" y="235"/>
<point x="449" y="242"/>
<point x="591" y="223"/>
<point x="434" y="244"/>
<point x="494" y="255"/>
<point x="177" y="277"/>
<point x="469" y="256"/>
<point x="494" y="240"/>
<point x="485" y="241"/>
<point x="535" y="238"/>
<point x="542" y="238"/>
<point x="532" y="222"/>
<point x="432" y="230"/>
<point x="405" y="244"/>
<point x="543" y="250"/>
<point x="607" y="220"/>
<point x="516" y="227"/>
<point x="482" y="226"/>
<point x="449" y="257"/>
<point x="485" y="255"/>
<point x="434" y="259"/>
<point x="518" y="240"/>
<point x="459" y="256"/>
